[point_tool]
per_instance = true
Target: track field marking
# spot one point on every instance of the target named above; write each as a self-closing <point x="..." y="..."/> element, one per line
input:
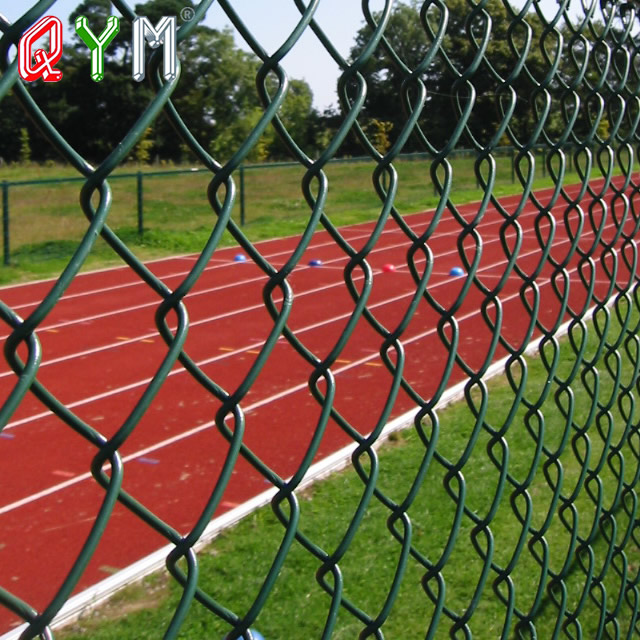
<point x="230" y="351"/>
<point x="106" y="568"/>
<point x="246" y="409"/>
<point x="239" y="283"/>
<point x="64" y="474"/>
<point x="154" y="334"/>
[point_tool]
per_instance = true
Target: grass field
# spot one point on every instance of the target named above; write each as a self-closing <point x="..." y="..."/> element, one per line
<point x="234" y="565"/>
<point x="46" y="221"/>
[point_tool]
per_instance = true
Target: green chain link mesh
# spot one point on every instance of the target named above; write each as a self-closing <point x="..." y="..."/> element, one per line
<point x="602" y="329"/>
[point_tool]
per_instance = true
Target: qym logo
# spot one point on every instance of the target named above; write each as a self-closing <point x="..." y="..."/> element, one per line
<point x="163" y="34"/>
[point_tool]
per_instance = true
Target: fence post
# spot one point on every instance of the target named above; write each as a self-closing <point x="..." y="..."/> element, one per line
<point x="5" y="222"/>
<point x="242" y="211"/>
<point x="513" y="165"/>
<point x="140" y="204"/>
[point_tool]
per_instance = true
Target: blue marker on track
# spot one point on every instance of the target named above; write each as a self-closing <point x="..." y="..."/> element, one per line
<point x="456" y="272"/>
<point x="315" y="262"/>
<point x="240" y="257"/>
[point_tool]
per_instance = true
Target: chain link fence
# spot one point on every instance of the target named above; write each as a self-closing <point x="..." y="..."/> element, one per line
<point x="564" y="78"/>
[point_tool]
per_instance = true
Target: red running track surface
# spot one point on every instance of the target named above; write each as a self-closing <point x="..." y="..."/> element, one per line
<point x="101" y="347"/>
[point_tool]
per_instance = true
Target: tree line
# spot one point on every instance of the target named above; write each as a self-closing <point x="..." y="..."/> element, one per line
<point x="475" y="92"/>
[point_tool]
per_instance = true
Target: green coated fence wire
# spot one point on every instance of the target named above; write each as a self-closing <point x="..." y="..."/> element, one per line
<point x="446" y="75"/>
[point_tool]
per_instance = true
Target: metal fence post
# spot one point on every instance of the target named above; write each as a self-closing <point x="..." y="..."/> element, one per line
<point x="570" y="161"/>
<point x="242" y="210"/>
<point x="5" y="222"/>
<point x="513" y="165"/>
<point x="140" y="204"/>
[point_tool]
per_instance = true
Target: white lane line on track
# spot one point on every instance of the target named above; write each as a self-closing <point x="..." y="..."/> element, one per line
<point x="154" y="333"/>
<point x="179" y="369"/>
<point x="527" y="212"/>
<point x="259" y="278"/>
<point x="54" y="327"/>
<point x="176" y="274"/>
<point x="246" y="409"/>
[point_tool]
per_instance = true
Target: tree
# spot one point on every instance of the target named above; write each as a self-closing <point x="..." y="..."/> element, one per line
<point x="216" y="96"/>
<point x="25" y="146"/>
<point x="142" y="151"/>
<point x="378" y="133"/>
<point x="295" y="115"/>
<point x="412" y="38"/>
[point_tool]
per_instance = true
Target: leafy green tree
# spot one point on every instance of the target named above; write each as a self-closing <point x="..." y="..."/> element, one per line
<point x="378" y="132"/>
<point x="142" y="151"/>
<point x="25" y="146"/>
<point x="216" y="92"/>
<point x="453" y="78"/>
<point x="295" y="115"/>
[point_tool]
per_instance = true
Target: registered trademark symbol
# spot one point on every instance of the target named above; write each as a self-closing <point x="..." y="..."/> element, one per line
<point x="187" y="14"/>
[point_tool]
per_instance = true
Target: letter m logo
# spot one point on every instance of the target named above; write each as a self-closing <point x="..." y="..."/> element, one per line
<point x="164" y="34"/>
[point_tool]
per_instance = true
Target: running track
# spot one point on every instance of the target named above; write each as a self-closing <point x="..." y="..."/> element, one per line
<point x="100" y="349"/>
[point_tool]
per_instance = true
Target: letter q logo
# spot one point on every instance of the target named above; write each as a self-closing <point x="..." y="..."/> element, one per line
<point x="45" y="61"/>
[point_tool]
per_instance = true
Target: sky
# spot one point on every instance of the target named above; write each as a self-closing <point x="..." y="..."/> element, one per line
<point x="271" y="21"/>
